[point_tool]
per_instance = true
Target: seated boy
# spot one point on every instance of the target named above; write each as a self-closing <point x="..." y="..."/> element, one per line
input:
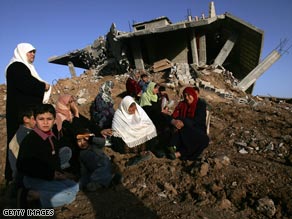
<point x="96" y="167"/>
<point x="27" y="121"/>
<point x="39" y="162"/>
<point x="143" y="82"/>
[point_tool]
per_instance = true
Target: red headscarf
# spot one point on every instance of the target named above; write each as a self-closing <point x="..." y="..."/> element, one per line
<point x="183" y="109"/>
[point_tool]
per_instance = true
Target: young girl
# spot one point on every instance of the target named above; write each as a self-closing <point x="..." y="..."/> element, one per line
<point x="39" y="162"/>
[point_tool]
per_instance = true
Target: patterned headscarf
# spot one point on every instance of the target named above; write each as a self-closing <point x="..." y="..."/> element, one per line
<point x="135" y="75"/>
<point x="106" y="91"/>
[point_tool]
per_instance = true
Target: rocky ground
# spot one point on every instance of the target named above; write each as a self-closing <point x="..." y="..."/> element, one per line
<point x="244" y="173"/>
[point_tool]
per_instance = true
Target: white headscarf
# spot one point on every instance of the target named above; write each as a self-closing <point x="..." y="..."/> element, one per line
<point x="20" y="56"/>
<point x="134" y="129"/>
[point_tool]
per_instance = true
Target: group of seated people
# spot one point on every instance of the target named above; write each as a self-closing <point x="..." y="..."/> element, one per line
<point x="57" y="151"/>
<point x="179" y="134"/>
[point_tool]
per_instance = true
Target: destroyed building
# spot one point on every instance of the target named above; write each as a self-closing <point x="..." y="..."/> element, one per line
<point x="206" y="42"/>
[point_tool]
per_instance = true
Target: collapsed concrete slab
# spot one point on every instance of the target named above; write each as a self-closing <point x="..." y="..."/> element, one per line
<point x="218" y="40"/>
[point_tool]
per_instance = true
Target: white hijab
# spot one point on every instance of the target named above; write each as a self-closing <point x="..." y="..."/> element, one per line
<point x="20" y="56"/>
<point x="134" y="129"/>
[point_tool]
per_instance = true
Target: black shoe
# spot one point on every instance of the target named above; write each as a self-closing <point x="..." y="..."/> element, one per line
<point x="22" y="198"/>
<point x="171" y="152"/>
<point x="93" y="186"/>
<point x="172" y="149"/>
<point x="117" y="179"/>
<point x="171" y="156"/>
<point x="137" y="159"/>
<point x="134" y="160"/>
<point x="159" y="154"/>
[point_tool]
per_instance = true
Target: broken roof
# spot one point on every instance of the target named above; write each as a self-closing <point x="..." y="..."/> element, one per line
<point x="243" y="58"/>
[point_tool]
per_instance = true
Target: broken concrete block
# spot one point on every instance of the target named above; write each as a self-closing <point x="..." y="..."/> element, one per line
<point x="162" y="65"/>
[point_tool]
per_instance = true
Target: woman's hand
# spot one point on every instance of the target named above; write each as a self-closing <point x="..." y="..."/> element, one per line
<point x="74" y="109"/>
<point x="47" y="87"/>
<point x="165" y="110"/>
<point x="106" y="132"/>
<point x="177" y="123"/>
<point x="59" y="176"/>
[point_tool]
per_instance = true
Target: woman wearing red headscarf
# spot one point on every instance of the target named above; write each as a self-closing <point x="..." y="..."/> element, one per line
<point x="189" y="120"/>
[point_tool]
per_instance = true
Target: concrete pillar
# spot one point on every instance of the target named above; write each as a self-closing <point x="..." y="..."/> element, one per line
<point x="136" y="50"/>
<point x="194" y="49"/>
<point x="212" y="11"/>
<point x="72" y="69"/>
<point x="226" y="49"/>
<point x="202" y="51"/>
<point x="259" y="70"/>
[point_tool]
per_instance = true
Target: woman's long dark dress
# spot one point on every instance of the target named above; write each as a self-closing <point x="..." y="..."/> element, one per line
<point x="22" y="90"/>
<point x="192" y="139"/>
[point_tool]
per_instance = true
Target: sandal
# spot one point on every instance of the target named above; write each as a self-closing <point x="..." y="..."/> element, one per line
<point x="137" y="159"/>
<point x="172" y="149"/>
<point x="172" y="152"/>
<point x="93" y="186"/>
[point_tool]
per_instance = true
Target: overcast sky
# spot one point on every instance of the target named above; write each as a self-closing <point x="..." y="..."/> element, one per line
<point x="56" y="27"/>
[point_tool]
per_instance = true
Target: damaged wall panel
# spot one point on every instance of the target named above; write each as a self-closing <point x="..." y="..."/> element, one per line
<point x="196" y="41"/>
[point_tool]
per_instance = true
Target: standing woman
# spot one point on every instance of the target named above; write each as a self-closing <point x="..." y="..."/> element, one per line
<point x="24" y="87"/>
<point x="190" y="137"/>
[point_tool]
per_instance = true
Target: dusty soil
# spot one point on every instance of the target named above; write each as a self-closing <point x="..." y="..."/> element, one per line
<point x="244" y="173"/>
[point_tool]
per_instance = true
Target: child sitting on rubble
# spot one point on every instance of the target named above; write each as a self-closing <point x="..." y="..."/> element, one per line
<point x="27" y="123"/>
<point x="40" y="162"/>
<point x="143" y="82"/>
<point x="96" y="167"/>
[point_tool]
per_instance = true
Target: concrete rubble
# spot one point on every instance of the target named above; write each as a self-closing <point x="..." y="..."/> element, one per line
<point x="147" y="48"/>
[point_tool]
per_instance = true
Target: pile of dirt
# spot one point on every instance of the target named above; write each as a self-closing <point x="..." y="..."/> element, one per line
<point x="244" y="173"/>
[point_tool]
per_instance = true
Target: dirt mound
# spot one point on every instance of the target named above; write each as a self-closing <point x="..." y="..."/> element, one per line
<point x="244" y="173"/>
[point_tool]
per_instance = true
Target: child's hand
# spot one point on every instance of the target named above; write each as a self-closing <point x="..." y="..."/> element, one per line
<point x="166" y="111"/>
<point x="85" y="136"/>
<point x="106" y="132"/>
<point x="70" y="176"/>
<point x="59" y="176"/>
